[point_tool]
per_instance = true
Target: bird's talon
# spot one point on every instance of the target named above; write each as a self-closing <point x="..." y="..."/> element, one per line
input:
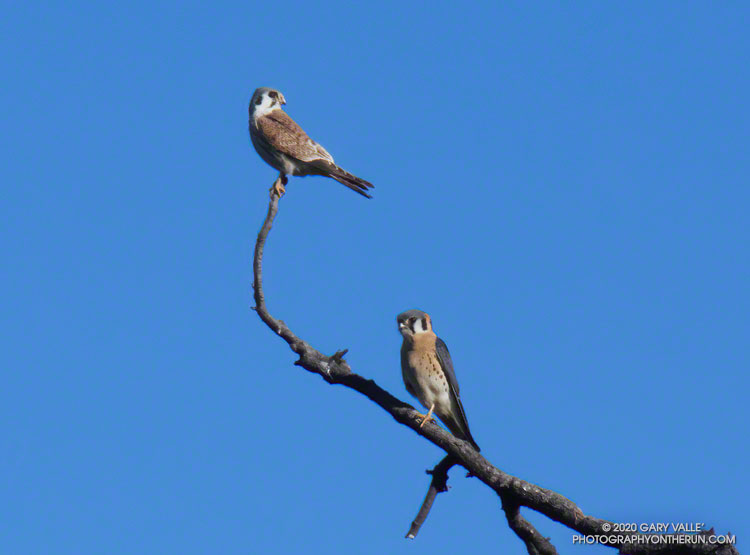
<point x="425" y="418"/>
<point x="278" y="188"/>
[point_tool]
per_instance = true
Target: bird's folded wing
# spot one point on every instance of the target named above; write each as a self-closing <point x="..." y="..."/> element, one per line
<point x="444" y="357"/>
<point x="283" y="134"/>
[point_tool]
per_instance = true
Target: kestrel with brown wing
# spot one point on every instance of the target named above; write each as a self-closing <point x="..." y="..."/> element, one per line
<point x="287" y="148"/>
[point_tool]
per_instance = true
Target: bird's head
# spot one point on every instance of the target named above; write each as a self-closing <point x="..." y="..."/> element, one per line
<point x="264" y="100"/>
<point x="413" y="322"/>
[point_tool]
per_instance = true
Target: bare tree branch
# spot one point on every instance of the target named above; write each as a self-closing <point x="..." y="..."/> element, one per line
<point x="438" y="484"/>
<point x="536" y="544"/>
<point x="514" y="492"/>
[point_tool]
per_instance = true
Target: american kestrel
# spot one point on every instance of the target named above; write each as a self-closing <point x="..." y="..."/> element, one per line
<point x="428" y="373"/>
<point x="287" y="148"/>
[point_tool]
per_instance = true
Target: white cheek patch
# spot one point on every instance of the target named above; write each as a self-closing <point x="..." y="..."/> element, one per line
<point x="418" y="326"/>
<point x="265" y="106"/>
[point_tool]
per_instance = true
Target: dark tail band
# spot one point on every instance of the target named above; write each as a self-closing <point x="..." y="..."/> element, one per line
<point x="352" y="181"/>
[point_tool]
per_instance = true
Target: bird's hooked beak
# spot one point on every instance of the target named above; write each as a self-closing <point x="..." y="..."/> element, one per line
<point x="282" y="100"/>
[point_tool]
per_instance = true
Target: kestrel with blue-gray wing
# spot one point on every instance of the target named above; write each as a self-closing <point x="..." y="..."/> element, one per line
<point x="287" y="148"/>
<point x="428" y="373"/>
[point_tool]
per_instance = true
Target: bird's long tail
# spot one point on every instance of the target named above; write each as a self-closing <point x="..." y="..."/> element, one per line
<point x="355" y="183"/>
<point x="459" y="427"/>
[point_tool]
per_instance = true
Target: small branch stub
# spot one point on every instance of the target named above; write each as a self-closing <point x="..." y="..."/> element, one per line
<point x="338" y="356"/>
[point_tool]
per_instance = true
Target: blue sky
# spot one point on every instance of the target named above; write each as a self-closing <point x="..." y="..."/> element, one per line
<point x="563" y="187"/>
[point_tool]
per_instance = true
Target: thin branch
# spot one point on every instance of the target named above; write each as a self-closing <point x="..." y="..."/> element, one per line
<point x="316" y="361"/>
<point x="438" y="484"/>
<point x="536" y="544"/>
<point x="335" y="370"/>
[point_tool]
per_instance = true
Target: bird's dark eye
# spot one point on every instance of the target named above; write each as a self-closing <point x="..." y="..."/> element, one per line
<point x="273" y="94"/>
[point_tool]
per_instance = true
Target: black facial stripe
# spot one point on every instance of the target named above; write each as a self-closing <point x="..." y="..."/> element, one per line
<point x="260" y="99"/>
<point x="424" y="324"/>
